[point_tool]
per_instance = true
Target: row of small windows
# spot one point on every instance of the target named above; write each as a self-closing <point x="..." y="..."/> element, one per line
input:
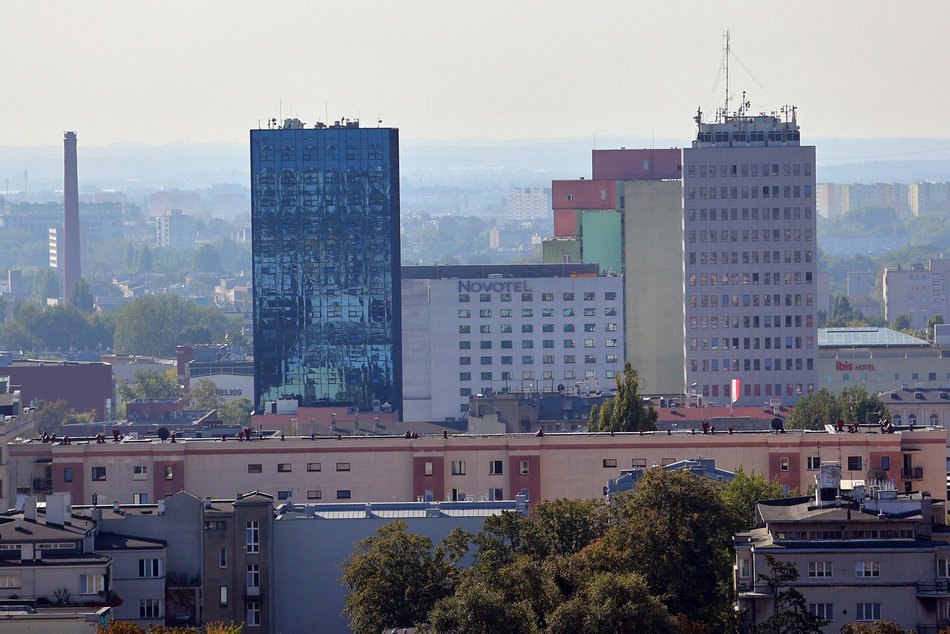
<point x="768" y="213"/>
<point x="752" y="235"/>
<point x="746" y="169"/>
<point x="749" y="278"/>
<point x="529" y="344"/>
<point x="287" y="467"/>
<point x="528" y="375"/>
<point x="756" y="389"/>
<point x="589" y="296"/>
<point x="465" y="313"/>
<point x="733" y="193"/>
<point x="330" y="151"/>
<point x="100" y="474"/>
<point x="752" y="343"/>
<point x="751" y="257"/>
<point x="753" y="321"/>
<point x="485" y="329"/>
<point x="548" y="359"/>
<point x="791" y="299"/>
<point x="495" y="467"/>
<point x="768" y="364"/>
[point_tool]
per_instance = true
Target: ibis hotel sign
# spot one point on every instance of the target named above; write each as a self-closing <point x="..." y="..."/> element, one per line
<point x="494" y="286"/>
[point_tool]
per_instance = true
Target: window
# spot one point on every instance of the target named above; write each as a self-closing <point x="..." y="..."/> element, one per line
<point x="824" y="611"/>
<point x="150" y="608"/>
<point x="169" y="472"/>
<point x="252" y="538"/>
<point x="783" y="464"/>
<point x="283" y="467"/>
<point x="814" y="463"/>
<point x="222" y="558"/>
<point x="215" y="525"/>
<point x="610" y="462"/>
<point x="13" y="581"/>
<point x="314" y="494"/>
<point x="140" y="498"/>
<point x="313" y="466"/>
<point x="139" y="472"/>
<point x="496" y="494"/>
<point x="255" y="468"/>
<point x="99" y="474"/>
<point x="495" y="467"/>
<point x="343" y="494"/>
<point x="91" y="584"/>
<point x="223" y="596"/>
<point x="854" y="463"/>
<point x="867" y="569"/>
<point x="343" y="466"/>
<point x="886" y="463"/>
<point x="868" y="612"/>
<point x="253" y="578"/>
<point x="745" y="568"/>
<point x="253" y="614"/>
<point x="285" y="494"/>
<point x="819" y="569"/>
<point x="524" y="467"/>
<point x="458" y="467"/>
<point x="67" y="474"/>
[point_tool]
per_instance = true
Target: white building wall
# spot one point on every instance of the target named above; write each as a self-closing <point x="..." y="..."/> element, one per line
<point x="453" y="348"/>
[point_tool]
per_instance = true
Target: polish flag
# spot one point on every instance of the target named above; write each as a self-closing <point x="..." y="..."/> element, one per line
<point x="735" y="389"/>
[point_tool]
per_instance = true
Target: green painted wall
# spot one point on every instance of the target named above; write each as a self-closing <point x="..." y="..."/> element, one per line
<point x="601" y="240"/>
<point x="554" y="250"/>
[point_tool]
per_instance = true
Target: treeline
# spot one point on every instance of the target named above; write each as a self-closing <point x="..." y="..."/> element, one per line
<point x="150" y="325"/>
<point x="657" y="560"/>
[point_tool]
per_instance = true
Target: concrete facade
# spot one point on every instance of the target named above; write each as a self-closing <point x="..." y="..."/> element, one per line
<point x="918" y="292"/>
<point x="751" y="260"/>
<point x="453" y="467"/>
<point x="653" y="284"/>
<point x="468" y="330"/>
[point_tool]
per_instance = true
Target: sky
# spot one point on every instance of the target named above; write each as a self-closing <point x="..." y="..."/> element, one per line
<point x="206" y="72"/>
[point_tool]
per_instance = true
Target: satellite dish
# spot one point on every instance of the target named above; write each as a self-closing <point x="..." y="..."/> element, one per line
<point x="777" y="424"/>
<point x="875" y="475"/>
<point x="163" y="433"/>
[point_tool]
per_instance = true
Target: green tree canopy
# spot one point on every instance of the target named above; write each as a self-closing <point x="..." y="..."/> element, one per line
<point x="625" y="410"/>
<point x="155" y="324"/>
<point x="151" y="384"/>
<point x="860" y="406"/>
<point x="902" y="322"/>
<point x="51" y="328"/>
<point x="814" y="411"/>
<point x="395" y="578"/>
<point x="480" y="608"/>
<point x="741" y="494"/>
<point x="236" y="412"/>
<point x="82" y="297"/>
<point x="204" y="395"/>
<point x="50" y="416"/>
<point x="791" y="614"/>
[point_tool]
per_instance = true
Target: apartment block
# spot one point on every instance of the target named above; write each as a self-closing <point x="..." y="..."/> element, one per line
<point x="918" y="292"/>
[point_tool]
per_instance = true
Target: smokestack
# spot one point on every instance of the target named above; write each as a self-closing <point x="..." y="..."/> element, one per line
<point x="72" y="266"/>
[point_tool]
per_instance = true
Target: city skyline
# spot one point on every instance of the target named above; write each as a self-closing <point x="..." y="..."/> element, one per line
<point x="498" y="71"/>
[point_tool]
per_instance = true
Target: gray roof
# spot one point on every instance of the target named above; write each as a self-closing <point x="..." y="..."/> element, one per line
<point x="114" y="541"/>
<point x="865" y="337"/>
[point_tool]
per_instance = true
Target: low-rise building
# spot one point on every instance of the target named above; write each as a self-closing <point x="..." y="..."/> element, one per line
<point x="866" y="555"/>
<point x="369" y="468"/>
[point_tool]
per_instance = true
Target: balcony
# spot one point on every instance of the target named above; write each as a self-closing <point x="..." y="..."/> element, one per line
<point x="749" y="590"/>
<point x="42" y="485"/>
<point x="914" y="473"/>
<point x="939" y="588"/>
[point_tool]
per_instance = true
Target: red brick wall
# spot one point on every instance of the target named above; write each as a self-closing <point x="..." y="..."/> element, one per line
<point x="84" y="387"/>
<point x="628" y="165"/>
<point x="531" y="481"/>
<point x="599" y="194"/>
<point x="435" y="482"/>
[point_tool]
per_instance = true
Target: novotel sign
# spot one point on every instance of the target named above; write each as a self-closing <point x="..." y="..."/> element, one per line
<point x="493" y="286"/>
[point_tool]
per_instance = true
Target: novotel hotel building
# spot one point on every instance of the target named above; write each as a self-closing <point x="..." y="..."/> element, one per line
<point x="521" y="328"/>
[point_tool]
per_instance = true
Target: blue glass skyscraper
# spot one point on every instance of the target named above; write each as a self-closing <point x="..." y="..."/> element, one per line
<point x="325" y="232"/>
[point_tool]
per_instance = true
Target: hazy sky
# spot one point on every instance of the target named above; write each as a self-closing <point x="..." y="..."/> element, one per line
<point x="198" y="71"/>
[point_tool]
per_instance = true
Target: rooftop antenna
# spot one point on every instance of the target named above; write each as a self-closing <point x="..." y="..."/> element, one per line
<point x="725" y="109"/>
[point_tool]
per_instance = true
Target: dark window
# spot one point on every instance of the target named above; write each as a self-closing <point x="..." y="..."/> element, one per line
<point x="255" y="468"/>
<point x="98" y="474"/>
<point x="343" y="494"/>
<point x="854" y="463"/>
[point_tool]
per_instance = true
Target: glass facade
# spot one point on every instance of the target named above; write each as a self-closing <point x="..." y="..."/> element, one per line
<point x="325" y="225"/>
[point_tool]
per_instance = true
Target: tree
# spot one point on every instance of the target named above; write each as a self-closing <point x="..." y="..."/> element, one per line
<point x="745" y="489"/>
<point x="612" y="603"/>
<point x="395" y="578"/>
<point x="859" y="406"/>
<point x="151" y="384"/>
<point x="675" y="530"/>
<point x="82" y="297"/>
<point x="814" y="411"/>
<point x="479" y="608"/>
<point x="207" y="259"/>
<point x="902" y="322"/>
<point x="933" y="321"/>
<point x="204" y="395"/>
<point x="626" y="411"/>
<point x="47" y="283"/>
<point x="791" y="612"/>
<point x="155" y="324"/>
<point x="236" y="412"/>
<point x="50" y="416"/>
<point x="878" y="627"/>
